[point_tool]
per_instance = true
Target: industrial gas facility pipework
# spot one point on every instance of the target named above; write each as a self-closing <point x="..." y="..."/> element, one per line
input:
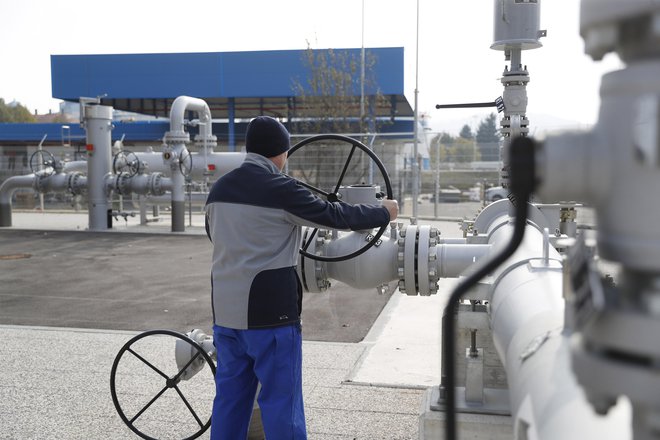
<point x="539" y="342"/>
<point x="126" y="173"/>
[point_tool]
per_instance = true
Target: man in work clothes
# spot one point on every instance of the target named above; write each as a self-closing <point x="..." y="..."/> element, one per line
<point x="254" y="217"/>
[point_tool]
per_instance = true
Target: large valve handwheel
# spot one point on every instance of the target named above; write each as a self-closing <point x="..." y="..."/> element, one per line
<point x="42" y="160"/>
<point x="126" y="162"/>
<point x="148" y="391"/>
<point x="333" y="195"/>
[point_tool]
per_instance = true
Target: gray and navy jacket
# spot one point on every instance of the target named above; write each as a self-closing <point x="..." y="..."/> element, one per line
<point x="254" y="217"/>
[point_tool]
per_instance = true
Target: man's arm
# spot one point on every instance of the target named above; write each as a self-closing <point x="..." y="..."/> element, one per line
<point x="305" y="208"/>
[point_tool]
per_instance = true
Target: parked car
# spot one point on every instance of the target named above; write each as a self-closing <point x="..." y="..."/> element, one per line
<point x="447" y="195"/>
<point x="496" y="193"/>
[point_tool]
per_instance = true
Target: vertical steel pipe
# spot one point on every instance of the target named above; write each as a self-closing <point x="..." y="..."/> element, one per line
<point x="98" y="125"/>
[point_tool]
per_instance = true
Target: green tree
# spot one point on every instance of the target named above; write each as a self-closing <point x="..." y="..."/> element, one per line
<point x="466" y="132"/>
<point x="5" y="114"/>
<point x="14" y="113"/>
<point x="488" y="138"/>
<point x="440" y="144"/>
<point x="465" y="150"/>
<point x="453" y="149"/>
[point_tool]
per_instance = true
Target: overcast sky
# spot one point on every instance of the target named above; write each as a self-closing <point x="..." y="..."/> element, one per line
<point x="456" y="63"/>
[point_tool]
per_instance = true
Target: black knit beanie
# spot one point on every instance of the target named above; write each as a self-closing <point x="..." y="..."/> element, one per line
<point x="266" y="136"/>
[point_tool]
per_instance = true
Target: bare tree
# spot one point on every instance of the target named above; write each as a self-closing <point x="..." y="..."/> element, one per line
<point x="330" y="102"/>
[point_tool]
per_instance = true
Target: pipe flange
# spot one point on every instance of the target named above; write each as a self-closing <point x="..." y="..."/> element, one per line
<point x="423" y="273"/>
<point x="400" y="259"/>
<point x="321" y="276"/>
<point x="426" y="255"/>
<point x="434" y="236"/>
<point x="313" y="272"/>
<point x="410" y="284"/>
<point x="76" y="183"/>
<point x="155" y="184"/>
<point x="40" y="182"/>
<point x="416" y="260"/>
<point x="434" y="276"/>
<point x="514" y="79"/>
<point x="211" y="141"/>
<point x="122" y="184"/>
<point x="176" y="137"/>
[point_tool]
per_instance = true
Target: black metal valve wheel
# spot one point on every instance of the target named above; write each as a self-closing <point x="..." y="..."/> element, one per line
<point x="148" y="391"/>
<point x="333" y="194"/>
<point x="42" y="161"/>
<point x="126" y="162"/>
<point x="185" y="163"/>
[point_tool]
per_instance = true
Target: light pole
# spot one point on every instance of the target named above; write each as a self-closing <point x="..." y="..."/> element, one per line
<point x="362" y="73"/>
<point x="415" y="163"/>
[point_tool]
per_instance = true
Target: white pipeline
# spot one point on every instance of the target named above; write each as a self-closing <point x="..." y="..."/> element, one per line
<point x="453" y="260"/>
<point x="143" y="184"/>
<point x="219" y="164"/>
<point x="176" y="153"/>
<point x="7" y="191"/>
<point x="187" y="103"/>
<point x="527" y="318"/>
<point x="381" y="263"/>
<point x="73" y="183"/>
<point x="76" y="165"/>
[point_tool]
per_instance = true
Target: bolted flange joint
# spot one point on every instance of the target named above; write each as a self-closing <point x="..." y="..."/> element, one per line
<point x="176" y="137"/>
<point x="76" y="183"/>
<point x="155" y="184"/>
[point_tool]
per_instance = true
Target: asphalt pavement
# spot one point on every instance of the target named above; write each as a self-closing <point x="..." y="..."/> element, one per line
<point x="140" y="281"/>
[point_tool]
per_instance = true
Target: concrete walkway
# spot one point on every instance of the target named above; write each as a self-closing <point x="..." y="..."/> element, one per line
<point x="54" y="384"/>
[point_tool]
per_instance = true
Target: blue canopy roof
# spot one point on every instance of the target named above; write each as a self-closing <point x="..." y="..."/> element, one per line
<point x="235" y="84"/>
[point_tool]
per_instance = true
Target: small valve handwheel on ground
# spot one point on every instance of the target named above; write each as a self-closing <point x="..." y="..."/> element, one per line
<point x="146" y="388"/>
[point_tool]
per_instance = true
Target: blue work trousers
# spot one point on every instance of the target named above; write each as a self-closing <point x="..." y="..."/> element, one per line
<point x="272" y="357"/>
